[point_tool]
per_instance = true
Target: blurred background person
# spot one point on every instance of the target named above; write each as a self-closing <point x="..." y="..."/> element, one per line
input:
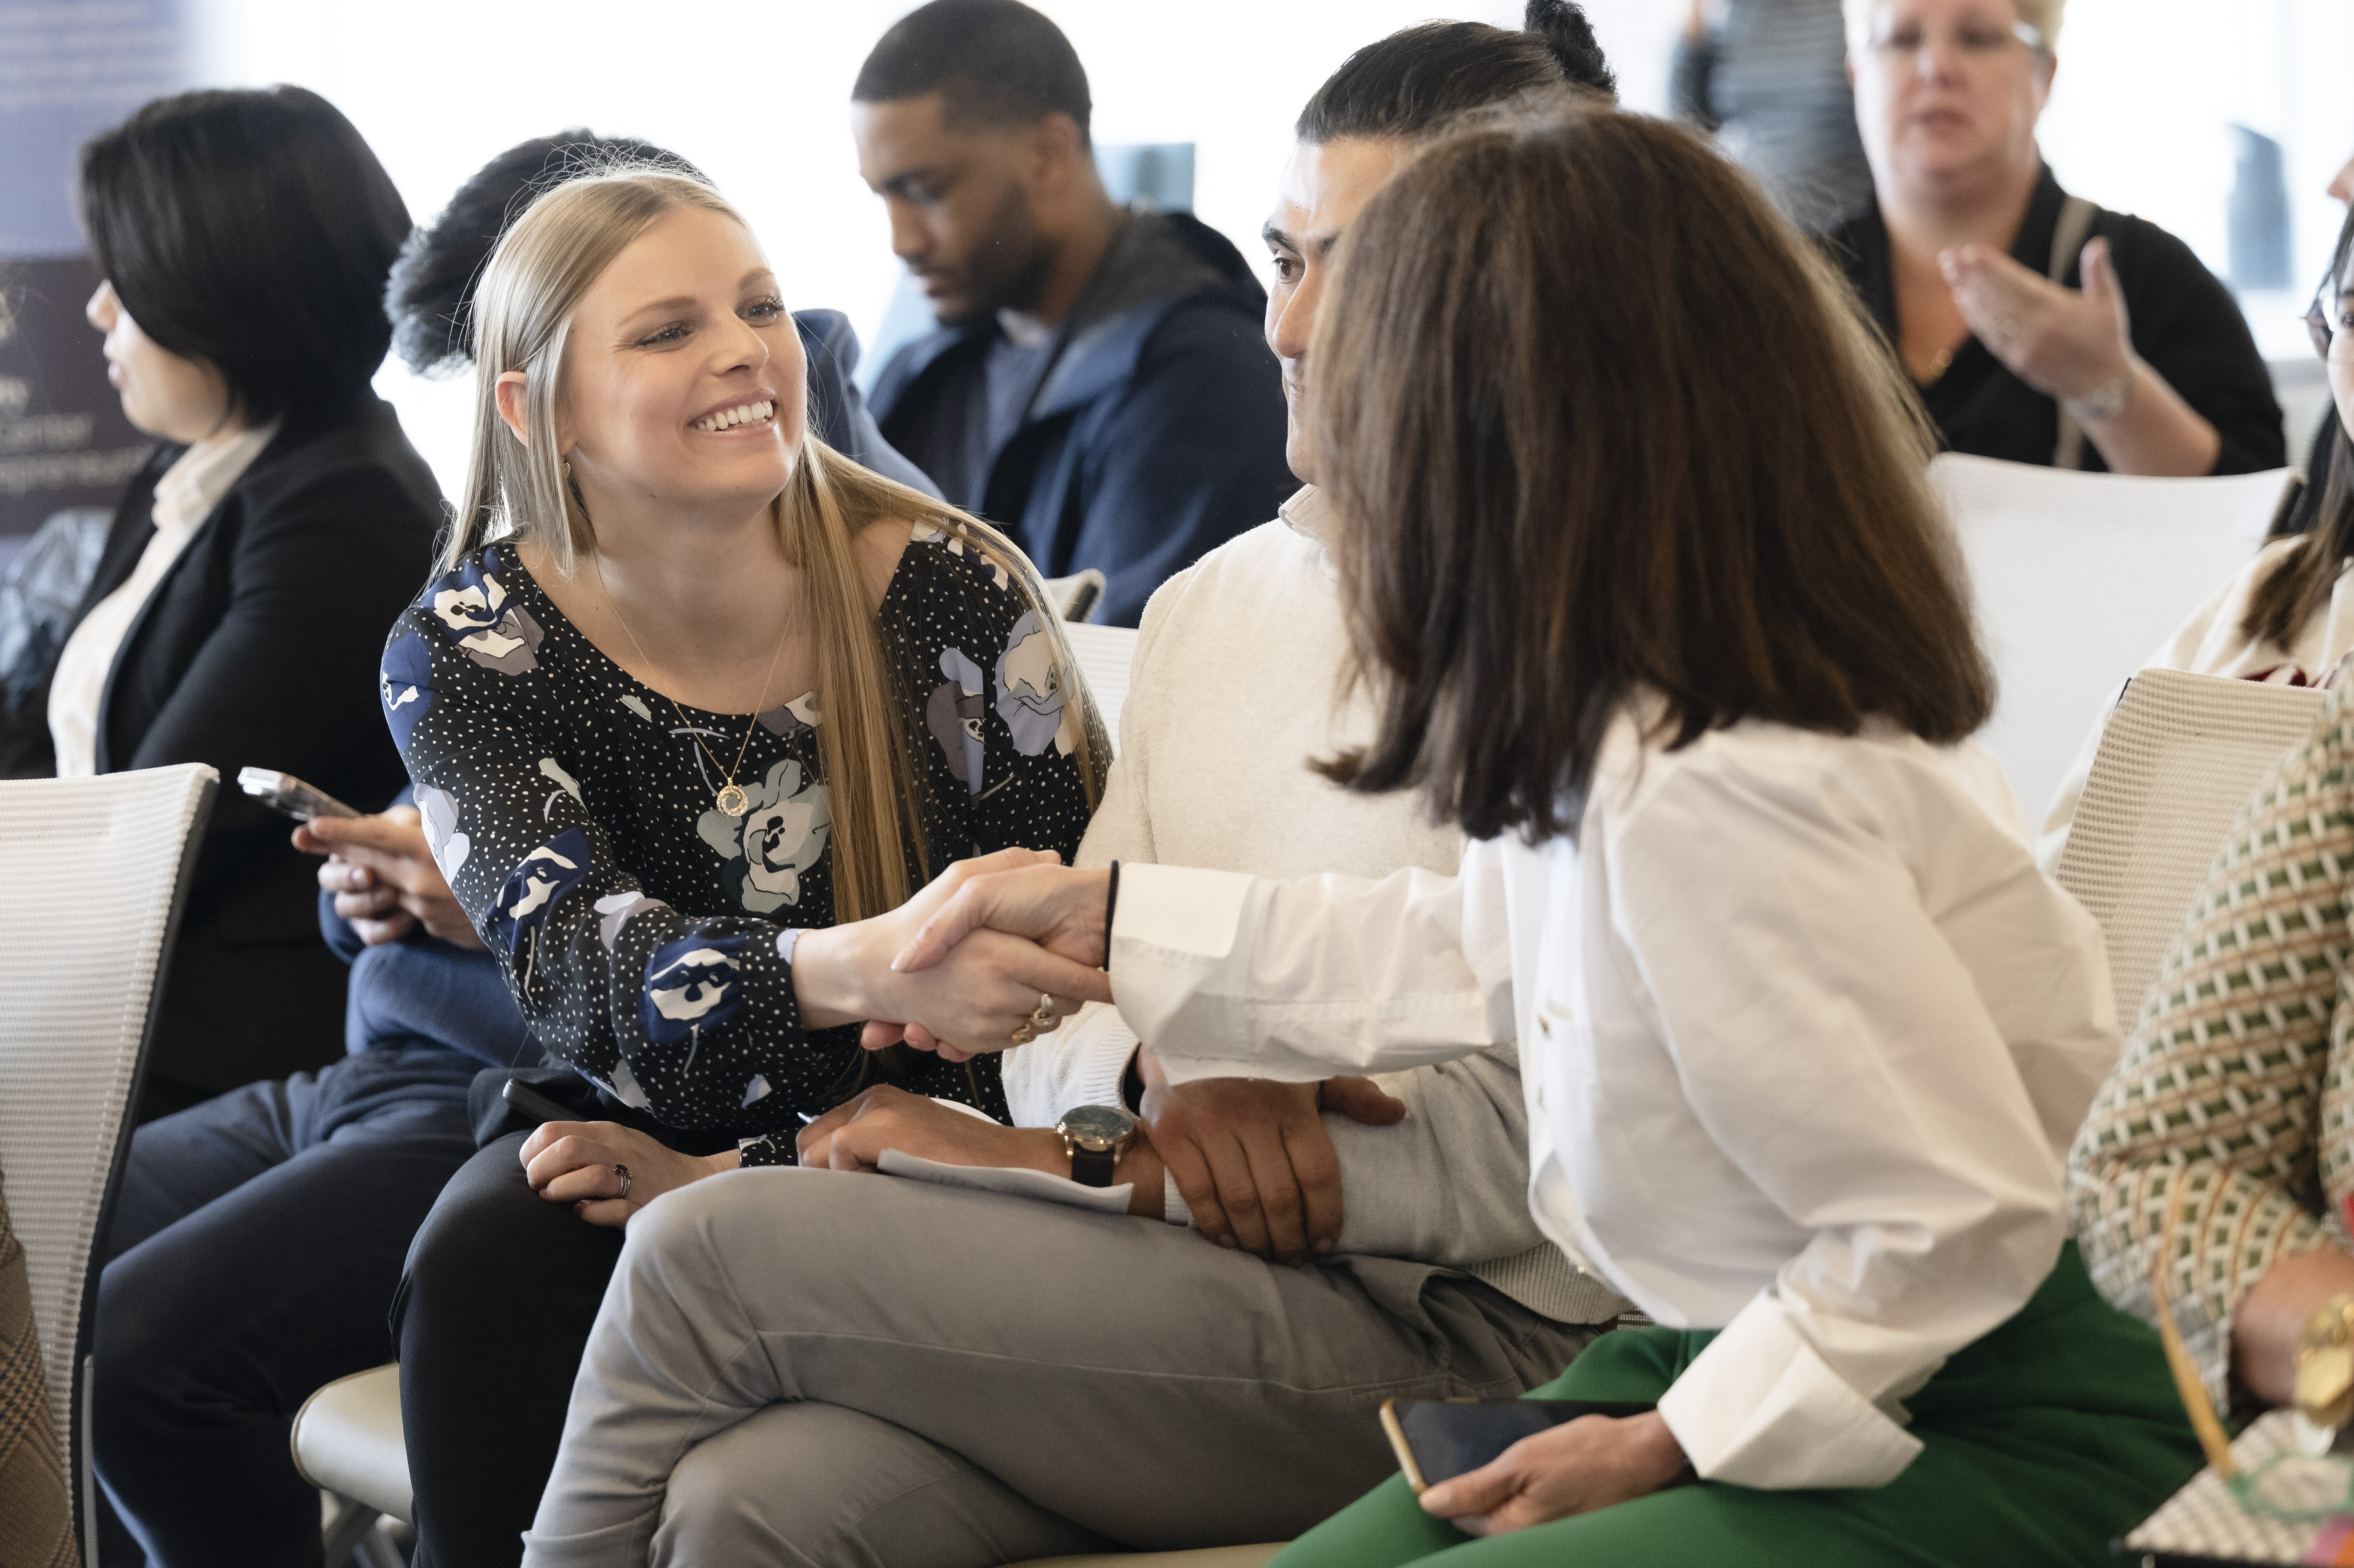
<point x="2038" y="327"/>
<point x="1096" y="386"/>
<point x="241" y="601"/>
<point x="432" y="295"/>
<point x="2304" y="514"/>
<point x="1769" y="79"/>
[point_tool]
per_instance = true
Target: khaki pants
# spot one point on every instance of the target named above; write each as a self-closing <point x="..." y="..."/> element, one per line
<point x="822" y="1368"/>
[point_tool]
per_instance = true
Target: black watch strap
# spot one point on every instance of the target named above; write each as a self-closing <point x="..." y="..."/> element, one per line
<point x="1093" y="1167"/>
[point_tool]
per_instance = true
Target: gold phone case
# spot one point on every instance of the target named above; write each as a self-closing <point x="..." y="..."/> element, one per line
<point x="1399" y="1445"/>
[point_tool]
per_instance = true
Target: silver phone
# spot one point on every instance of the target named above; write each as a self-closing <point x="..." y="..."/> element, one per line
<point x="284" y="793"/>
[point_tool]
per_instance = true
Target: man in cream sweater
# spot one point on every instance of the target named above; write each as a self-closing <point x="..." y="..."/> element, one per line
<point x="858" y="1370"/>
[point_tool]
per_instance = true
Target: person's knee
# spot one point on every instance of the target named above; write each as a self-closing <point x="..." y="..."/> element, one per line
<point x="468" y="1238"/>
<point x="810" y="1483"/>
<point x="140" y="1350"/>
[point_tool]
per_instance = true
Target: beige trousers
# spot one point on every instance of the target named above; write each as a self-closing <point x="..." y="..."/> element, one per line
<point x="820" y="1367"/>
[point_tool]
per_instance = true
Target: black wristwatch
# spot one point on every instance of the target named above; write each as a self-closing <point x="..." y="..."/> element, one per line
<point x="1093" y="1136"/>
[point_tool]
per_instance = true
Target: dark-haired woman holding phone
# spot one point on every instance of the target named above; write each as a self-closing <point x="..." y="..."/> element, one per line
<point x="235" y="619"/>
<point x="1675" y="632"/>
<point x="256" y="560"/>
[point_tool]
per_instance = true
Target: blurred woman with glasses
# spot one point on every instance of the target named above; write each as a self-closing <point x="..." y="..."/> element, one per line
<point x="2038" y="327"/>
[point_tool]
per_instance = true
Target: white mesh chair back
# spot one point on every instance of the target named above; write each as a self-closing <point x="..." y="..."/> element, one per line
<point x="2081" y="577"/>
<point x="2179" y="758"/>
<point x="96" y="872"/>
<point x="1105" y="654"/>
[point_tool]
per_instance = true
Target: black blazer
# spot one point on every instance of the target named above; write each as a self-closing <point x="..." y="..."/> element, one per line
<point x="261" y="648"/>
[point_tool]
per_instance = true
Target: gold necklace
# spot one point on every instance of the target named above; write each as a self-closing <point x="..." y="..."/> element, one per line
<point x="731" y="797"/>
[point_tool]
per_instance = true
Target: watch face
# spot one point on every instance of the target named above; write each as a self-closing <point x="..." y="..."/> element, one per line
<point x="1097" y="1126"/>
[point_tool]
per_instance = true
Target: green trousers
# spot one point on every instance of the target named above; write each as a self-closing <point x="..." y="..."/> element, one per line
<point x="2045" y="1440"/>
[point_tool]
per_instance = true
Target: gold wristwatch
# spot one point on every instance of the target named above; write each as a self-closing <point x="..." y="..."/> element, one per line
<point x="2325" y="1375"/>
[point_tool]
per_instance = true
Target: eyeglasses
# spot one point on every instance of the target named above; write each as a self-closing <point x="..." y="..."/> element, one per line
<point x="1970" y="38"/>
<point x="2317" y="319"/>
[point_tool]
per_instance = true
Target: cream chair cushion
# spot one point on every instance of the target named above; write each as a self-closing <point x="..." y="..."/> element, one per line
<point x="347" y="1441"/>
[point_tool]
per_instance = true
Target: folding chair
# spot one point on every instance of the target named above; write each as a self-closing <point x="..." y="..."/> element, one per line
<point x="98" y="872"/>
<point x="2179" y="758"/>
<point x="2078" y="576"/>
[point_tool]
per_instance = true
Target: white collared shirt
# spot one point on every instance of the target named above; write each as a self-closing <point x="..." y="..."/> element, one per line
<point x="1804" y="1037"/>
<point x="185" y="497"/>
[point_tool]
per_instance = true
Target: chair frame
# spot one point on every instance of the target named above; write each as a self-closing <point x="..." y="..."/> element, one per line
<point x="83" y="1361"/>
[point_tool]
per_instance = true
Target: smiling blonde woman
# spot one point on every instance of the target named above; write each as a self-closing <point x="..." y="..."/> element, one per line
<point x="666" y="712"/>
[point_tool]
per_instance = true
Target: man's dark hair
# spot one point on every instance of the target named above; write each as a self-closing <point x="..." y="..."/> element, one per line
<point x="996" y="63"/>
<point x="252" y="230"/>
<point x="1408" y="83"/>
<point x="431" y="295"/>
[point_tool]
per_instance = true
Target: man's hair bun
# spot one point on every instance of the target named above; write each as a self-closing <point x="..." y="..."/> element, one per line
<point x="1570" y="36"/>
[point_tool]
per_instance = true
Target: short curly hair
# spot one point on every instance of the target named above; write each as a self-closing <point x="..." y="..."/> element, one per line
<point x="2043" y="16"/>
<point x="430" y="294"/>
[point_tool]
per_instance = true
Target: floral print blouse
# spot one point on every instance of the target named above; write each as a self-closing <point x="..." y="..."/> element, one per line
<point x="646" y="934"/>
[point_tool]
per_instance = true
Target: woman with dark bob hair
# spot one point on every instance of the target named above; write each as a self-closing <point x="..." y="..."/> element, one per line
<point x="1673" y="627"/>
<point x="256" y="560"/>
<point x="235" y="619"/>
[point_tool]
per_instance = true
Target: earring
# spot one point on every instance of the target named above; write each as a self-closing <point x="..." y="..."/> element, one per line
<point x="567" y="470"/>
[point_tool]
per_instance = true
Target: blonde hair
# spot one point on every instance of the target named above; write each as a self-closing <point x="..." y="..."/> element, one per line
<point x="2043" y="16"/>
<point x="517" y="489"/>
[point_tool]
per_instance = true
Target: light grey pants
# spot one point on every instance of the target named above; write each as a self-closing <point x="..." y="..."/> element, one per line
<point x="814" y="1367"/>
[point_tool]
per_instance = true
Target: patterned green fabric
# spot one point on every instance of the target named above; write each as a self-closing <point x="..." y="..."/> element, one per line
<point x="2235" y="1086"/>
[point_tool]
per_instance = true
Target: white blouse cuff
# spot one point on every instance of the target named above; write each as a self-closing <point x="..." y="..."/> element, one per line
<point x="1760" y="1407"/>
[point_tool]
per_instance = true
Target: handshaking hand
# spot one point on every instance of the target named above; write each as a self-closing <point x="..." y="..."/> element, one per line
<point x="981" y="929"/>
<point x="987" y="989"/>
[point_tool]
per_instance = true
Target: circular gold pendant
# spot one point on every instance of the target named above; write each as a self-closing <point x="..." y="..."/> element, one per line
<point x="732" y="800"/>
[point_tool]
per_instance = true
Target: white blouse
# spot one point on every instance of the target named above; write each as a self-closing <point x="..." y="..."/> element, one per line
<point x="185" y="497"/>
<point x="1805" y="1037"/>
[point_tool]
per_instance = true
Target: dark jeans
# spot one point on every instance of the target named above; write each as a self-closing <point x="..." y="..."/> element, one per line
<point x="253" y="1252"/>
<point x="493" y="1313"/>
<point x="212" y="1036"/>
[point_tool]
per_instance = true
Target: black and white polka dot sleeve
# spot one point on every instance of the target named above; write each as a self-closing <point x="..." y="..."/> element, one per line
<point x="645" y="930"/>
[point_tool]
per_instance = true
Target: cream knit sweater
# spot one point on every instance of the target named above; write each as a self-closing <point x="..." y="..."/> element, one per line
<point x="1233" y="690"/>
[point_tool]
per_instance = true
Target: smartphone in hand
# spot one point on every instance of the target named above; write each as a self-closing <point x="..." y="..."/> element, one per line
<point x="528" y="1101"/>
<point x="1438" y="1439"/>
<point x="289" y="796"/>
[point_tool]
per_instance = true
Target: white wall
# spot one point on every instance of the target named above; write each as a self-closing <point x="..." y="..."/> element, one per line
<point x="756" y="93"/>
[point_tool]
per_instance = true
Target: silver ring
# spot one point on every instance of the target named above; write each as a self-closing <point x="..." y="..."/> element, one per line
<point x="2004" y="329"/>
<point x="628" y="1181"/>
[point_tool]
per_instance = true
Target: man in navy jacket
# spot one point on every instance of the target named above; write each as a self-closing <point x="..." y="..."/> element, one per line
<point x="1099" y="385"/>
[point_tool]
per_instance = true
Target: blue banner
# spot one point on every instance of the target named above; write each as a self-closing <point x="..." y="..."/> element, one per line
<point x="69" y="70"/>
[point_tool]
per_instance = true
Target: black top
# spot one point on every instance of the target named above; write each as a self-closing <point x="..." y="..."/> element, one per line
<point x="2303" y="513"/>
<point x="2185" y="324"/>
<point x="645" y="933"/>
<point x="258" y="646"/>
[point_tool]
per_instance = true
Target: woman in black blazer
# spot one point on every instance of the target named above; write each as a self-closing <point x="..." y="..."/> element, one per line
<point x="245" y="238"/>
